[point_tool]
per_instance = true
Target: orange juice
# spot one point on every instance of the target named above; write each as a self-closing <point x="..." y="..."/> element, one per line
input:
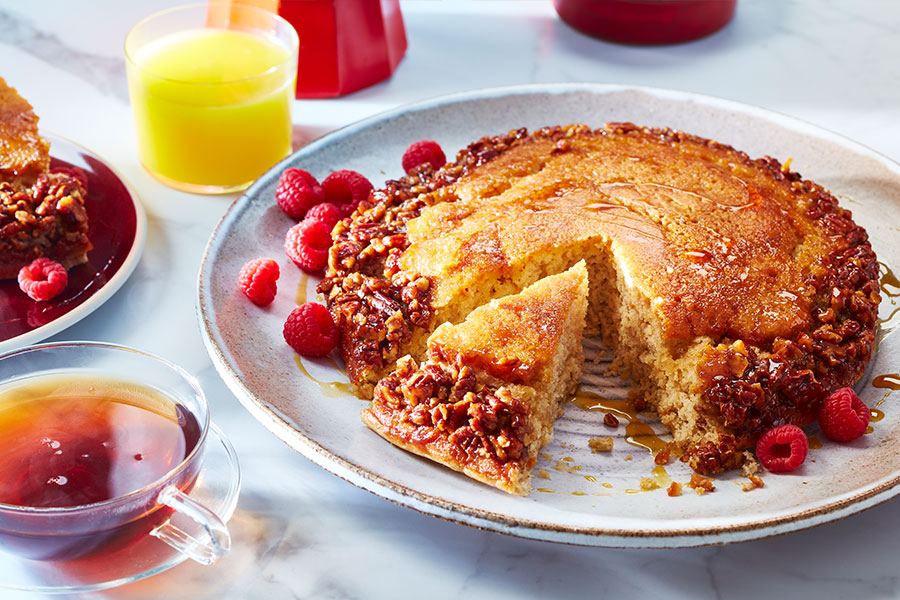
<point x="212" y="107"/>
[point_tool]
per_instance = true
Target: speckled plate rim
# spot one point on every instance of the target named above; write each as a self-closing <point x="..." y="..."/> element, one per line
<point x="106" y="291"/>
<point x="670" y="537"/>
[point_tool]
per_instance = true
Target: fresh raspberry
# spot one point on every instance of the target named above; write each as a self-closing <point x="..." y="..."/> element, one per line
<point x="326" y="213"/>
<point x="307" y="244"/>
<point x="782" y="448"/>
<point x="421" y="152"/>
<point x="297" y="192"/>
<point x="42" y="279"/>
<point x="310" y="330"/>
<point x="75" y="173"/>
<point x="843" y="416"/>
<point x="258" y="280"/>
<point x="346" y="189"/>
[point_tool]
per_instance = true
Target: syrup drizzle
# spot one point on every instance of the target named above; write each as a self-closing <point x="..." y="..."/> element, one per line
<point x="638" y="192"/>
<point x="301" y="289"/>
<point x="331" y="389"/>
<point x="889" y="323"/>
<point x="659" y="479"/>
<point x="643" y="436"/>
<point x="637" y="433"/>
<point x="601" y="206"/>
<point x="890" y="288"/>
<point x="889" y="381"/>
<point x="890" y="285"/>
<point x="660" y="476"/>
<point x="335" y="364"/>
<point x="698" y="256"/>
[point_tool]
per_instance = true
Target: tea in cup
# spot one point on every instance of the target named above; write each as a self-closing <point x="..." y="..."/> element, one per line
<point x="102" y="445"/>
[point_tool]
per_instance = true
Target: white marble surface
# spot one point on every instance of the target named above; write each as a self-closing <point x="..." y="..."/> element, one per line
<point x="300" y="532"/>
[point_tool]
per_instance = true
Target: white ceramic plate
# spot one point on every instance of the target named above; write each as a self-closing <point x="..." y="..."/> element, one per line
<point x="117" y="229"/>
<point x="590" y="498"/>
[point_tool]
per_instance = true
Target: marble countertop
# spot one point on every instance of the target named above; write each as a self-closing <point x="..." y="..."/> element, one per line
<point x="300" y="532"/>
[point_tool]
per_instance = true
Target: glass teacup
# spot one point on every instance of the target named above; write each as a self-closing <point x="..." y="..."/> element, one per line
<point x="107" y="445"/>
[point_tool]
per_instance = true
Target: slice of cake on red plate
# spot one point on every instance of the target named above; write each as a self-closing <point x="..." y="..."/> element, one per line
<point x="42" y="214"/>
<point x="484" y="401"/>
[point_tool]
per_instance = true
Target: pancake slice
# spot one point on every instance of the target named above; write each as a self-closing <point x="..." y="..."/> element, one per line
<point x="484" y="401"/>
<point x="42" y="214"/>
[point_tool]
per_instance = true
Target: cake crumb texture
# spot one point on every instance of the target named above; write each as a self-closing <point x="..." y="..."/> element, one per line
<point x="735" y="294"/>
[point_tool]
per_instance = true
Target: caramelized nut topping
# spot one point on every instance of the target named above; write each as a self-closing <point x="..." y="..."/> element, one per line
<point x="440" y="403"/>
<point x="701" y="484"/>
<point x="46" y="220"/>
<point x="754" y="481"/>
<point x="376" y="306"/>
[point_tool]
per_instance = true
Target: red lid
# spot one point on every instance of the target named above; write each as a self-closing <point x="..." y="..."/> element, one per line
<point x="646" y="21"/>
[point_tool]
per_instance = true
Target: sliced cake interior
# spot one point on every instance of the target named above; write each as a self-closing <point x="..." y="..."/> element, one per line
<point x="735" y="294"/>
<point x="484" y="400"/>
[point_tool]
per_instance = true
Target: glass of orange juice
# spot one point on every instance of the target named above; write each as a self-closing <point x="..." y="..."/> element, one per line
<point x="211" y="89"/>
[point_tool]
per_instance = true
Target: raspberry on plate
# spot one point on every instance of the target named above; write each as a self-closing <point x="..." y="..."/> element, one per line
<point x="346" y="189"/>
<point x="258" y="280"/>
<point x="42" y="279"/>
<point x="782" y="448"/>
<point x="310" y="330"/>
<point x="326" y="213"/>
<point x="307" y="244"/>
<point x="297" y="192"/>
<point x="843" y="416"/>
<point x="422" y="152"/>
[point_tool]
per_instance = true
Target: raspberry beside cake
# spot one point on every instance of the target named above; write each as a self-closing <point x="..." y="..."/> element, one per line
<point x="735" y="294"/>
<point x="42" y="214"/>
<point x="484" y="401"/>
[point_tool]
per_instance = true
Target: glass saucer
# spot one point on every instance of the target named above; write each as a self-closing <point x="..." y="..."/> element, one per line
<point x="217" y="487"/>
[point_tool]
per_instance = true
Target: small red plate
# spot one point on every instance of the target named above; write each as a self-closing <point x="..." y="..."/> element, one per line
<point x="117" y="229"/>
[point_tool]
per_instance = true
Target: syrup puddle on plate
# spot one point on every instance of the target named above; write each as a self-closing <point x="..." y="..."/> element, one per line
<point x="637" y="433"/>
<point x="890" y="381"/>
<point x="330" y="389"/>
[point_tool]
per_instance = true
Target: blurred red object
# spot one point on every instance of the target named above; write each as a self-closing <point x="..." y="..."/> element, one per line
<point x="345" y="45"/>
<point x="646" y="21"/>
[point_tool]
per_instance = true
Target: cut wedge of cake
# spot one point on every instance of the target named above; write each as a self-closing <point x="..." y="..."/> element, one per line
<point x="42" y="214"/>
<point x="735" y="294"/>
<point x="484" y="401"/>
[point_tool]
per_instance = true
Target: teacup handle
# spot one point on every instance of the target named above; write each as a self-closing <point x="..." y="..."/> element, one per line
<point x="205" y="552"/>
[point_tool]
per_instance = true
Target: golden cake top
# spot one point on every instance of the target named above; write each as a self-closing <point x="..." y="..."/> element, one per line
<point x="742" y="257"/>
<point x="721" y="244"/>
<point x="23" y="153"/>
<point x="513" y="338"/>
